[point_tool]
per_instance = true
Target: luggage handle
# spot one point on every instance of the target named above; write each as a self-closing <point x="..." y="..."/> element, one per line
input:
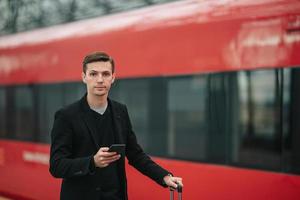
<point x="179" y="190"/>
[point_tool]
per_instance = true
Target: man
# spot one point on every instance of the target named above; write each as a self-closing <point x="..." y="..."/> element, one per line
<point x="82" y="133"/>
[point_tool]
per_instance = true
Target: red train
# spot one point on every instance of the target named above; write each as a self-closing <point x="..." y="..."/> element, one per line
<point x="211" y="87"/>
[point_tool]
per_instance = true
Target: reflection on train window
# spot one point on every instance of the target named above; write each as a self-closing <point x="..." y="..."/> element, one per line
<point x="135" y="93"/>
<point x="292" y="139"/>
<point x="50" y="99"/>
<point x="24" y="119"/>
<point x="72" y="92"/>
<point x="260" y="133"/>
<point x="186" y="117"/>
<point x="246" y="118"/>
<point x="2" y="112"/>
<point x="222" y="117"/>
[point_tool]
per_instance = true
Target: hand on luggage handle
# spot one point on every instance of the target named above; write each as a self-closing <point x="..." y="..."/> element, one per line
<point x="179" y="190"/>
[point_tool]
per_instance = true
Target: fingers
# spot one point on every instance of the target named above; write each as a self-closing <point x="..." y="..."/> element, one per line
<point x="173" y="182"/>
<point x="103" y="158"/>
<point x="103" y="152"/>
<point x="107" y="154"/>
<point x="104" y="161"/>
<point x="109" y="159"/>
<point x="101" y="161"/>
<point x="103" y="149"/>
<point x="173" y="185"/>
<point x="178" y="181"/>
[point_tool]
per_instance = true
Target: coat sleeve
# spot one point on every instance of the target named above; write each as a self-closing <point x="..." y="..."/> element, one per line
<point x="62" y="165"/>
<point x="139" y="159"/>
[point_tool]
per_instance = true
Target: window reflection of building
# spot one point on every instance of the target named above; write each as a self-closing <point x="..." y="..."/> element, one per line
<point x="259" y="121"/>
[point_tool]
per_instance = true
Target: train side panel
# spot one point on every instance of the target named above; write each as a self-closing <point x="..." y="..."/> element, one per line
<point x="202" y="37"/>
<point x="24" y="174"/>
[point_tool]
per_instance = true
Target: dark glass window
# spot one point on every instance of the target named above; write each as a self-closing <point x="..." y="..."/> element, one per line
<point x="222" y="117"/>
<point x="260" y="119"/>
<point x="72" y="92"/>
<point x="187" y="128"/>
<point x="245" y="118"/>
<point x="233" y="118"/>
<point x="24" y="113"/>
<point x="135" y="94"/>
<point x="50" y="98"/>
<point x="292" y="138"/>
<point x="2" y="113"/>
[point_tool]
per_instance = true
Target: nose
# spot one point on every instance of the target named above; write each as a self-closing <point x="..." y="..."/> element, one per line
<point x="100" y="78"/>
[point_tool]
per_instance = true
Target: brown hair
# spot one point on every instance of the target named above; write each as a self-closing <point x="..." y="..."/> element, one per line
<point x="98" y="57"/>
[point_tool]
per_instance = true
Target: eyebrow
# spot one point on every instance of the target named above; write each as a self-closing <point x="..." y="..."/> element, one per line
<point x="92" y="70"/>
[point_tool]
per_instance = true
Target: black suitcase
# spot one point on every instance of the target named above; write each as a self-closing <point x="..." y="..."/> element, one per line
<point x="179" y="190"/>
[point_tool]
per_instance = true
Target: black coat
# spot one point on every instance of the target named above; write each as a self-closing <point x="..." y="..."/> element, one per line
<point x="74" y="142"/>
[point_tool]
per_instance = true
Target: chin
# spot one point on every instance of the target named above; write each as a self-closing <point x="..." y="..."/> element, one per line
<point x="99" y="94"/>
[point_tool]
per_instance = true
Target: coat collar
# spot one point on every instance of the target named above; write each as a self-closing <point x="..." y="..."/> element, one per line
<point x="90" y="121"/>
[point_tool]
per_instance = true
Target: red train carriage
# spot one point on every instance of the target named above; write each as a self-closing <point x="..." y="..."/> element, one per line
<point x="211" y="87"/>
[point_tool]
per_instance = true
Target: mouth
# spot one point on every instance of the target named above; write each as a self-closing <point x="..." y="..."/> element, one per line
<point x="99" y="87"/>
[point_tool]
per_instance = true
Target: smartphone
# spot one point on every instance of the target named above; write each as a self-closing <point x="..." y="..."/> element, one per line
<point x="119" y="148"/>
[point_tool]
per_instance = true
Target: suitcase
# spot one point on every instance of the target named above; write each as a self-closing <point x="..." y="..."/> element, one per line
<point x="179" y="190"/>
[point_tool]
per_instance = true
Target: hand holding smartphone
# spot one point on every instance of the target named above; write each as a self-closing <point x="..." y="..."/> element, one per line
<point x="119" y="148"/>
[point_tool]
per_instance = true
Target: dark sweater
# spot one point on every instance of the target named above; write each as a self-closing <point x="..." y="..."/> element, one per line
<point x="110" y="182"/>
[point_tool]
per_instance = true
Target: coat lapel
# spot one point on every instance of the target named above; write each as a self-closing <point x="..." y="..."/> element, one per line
<point x="116" y="117"/>
<point x="119" y="138"/>
<point x="90" y="121"/>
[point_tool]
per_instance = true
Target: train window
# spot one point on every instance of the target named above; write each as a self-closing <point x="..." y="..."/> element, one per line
<point x="260" y="135"/>
<point x="222" y="116"/>
<point x="2" y="113"/>
<point x="186" y="131"/>
<point x="157" y="116"/>
<point x="246" y="118"/>
<point x="50" y="99"/>
<point x="73" y="92"/>
<point x="135" y="94"/>
<point x="24" y="111"/>
<point x="146" y="100"/>
<point x="292" y="139"/>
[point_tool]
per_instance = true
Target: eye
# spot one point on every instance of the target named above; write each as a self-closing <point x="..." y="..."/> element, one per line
<point x="106" y="74"/>
<point x="93" y="74"/>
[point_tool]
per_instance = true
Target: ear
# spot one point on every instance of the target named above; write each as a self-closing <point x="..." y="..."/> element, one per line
<point x="83" y="75"/>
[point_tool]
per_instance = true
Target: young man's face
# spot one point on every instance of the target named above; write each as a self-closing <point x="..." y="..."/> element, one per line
<point x="98" y="78"/>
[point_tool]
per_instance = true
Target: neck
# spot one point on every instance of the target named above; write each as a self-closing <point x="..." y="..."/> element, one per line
<point x="97" y="101"/>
